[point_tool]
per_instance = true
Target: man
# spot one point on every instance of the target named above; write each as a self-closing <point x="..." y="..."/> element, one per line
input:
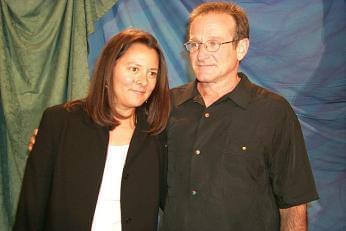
<point x="236" y="154"/>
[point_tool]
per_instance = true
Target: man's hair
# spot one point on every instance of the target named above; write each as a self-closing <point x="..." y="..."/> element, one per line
<point x="241" y="21"/>
<point x="99" y="104"/>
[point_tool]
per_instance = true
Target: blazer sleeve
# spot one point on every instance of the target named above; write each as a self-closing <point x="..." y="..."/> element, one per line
<point x="36" y="189"/>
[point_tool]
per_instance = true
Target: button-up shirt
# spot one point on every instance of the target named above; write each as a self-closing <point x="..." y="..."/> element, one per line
<point x="232" y="165"/>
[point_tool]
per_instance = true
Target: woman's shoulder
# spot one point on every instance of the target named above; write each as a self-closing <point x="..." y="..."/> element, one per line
<point x="65" y="116"/>
<point x="64" y="111"/>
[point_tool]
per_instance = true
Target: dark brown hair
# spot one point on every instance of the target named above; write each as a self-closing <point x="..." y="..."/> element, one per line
<point x="241" y="21"/>
<point x="98" y="103"/>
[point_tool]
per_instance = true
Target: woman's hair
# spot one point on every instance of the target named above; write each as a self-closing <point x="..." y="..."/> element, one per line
<point x="99" y="103"/>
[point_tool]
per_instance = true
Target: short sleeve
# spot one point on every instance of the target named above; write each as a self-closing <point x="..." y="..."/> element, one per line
<point x="290" y="169"/>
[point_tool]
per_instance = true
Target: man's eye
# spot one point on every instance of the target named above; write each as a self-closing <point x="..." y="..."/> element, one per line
<point x="212" y="43"/>
<point x="194" y="45"/>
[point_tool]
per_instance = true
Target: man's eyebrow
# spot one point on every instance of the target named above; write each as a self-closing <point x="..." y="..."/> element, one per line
<point x="209" y="38"/>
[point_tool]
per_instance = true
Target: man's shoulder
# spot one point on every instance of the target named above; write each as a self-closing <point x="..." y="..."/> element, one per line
<point x="182" y="88"/>
<point x="182" y="93"/>
<point x="269" y="103"/>
<point x="263" y="95"/>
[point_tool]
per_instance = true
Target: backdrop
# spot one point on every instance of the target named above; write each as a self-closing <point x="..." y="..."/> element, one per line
<point x="297" y="49"/>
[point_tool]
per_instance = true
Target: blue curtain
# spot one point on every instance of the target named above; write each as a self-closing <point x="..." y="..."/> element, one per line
<point x="297" y="49"/>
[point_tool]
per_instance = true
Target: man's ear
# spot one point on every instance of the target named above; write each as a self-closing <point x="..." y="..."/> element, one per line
<point x="242" y="48"/>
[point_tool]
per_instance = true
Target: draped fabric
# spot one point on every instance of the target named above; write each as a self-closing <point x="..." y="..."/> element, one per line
<point x="43" y="61"/>
<point x="297" y="49"/>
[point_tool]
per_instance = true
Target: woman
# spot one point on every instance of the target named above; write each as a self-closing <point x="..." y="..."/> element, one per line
<point x="96" y="162"/>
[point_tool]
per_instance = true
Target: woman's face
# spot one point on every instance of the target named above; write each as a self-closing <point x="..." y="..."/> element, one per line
<point x="134" y="76"/>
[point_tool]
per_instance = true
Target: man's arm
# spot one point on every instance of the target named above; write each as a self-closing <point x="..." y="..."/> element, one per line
<point x="32" y="140"/>
<point x="294" y="218"/>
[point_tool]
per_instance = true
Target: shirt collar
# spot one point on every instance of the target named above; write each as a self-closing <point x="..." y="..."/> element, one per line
<point x="188" y="91"/>
<point x="241" y="95"/>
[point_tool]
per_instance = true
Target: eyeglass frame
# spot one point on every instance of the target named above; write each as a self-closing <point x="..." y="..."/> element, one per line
<point x="205" y="44"/>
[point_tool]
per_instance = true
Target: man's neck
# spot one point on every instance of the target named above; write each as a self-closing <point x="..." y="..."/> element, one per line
<point x="213" y="91"/>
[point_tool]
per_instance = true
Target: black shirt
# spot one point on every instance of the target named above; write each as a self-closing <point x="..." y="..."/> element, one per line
<point x="232" y="165"/>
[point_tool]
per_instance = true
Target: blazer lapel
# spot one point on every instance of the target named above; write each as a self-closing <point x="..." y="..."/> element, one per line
<point x="138" y="139"/>
<point x="94" y="160"/>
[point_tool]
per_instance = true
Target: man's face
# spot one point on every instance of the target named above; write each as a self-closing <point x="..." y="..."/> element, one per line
<point x="212" y="67"/>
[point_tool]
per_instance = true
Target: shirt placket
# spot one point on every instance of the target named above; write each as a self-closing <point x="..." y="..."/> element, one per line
<point x="197" y="155"/>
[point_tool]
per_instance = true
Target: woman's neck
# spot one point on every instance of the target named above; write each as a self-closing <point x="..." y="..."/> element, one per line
<point x="122" y="133"/>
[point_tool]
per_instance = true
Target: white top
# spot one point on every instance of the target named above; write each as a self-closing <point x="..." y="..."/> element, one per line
<point x="107" y="216"/>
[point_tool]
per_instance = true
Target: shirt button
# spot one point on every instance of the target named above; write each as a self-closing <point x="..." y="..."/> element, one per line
<point x="193" y="192"/>
<point x="128" y="220"/>
<point x="206" y="115"/>
<point x="126" y="176"/>
<point x="198" y="152"/>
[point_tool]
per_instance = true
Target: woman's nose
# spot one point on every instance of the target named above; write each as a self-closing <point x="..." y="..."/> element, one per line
<point x="142" y="79"/>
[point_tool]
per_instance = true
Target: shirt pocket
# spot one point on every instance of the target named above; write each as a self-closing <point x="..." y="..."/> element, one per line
<point x="245" y="149"/>
<point x="244" y="162"/>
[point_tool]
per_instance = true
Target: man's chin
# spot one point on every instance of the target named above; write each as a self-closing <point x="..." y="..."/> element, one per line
<point x="205" y="77"/>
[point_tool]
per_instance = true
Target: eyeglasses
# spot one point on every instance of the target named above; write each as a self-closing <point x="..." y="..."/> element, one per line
<point x="210" y="45"/>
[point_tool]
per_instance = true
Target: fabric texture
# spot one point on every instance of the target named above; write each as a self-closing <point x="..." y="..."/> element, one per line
<point x="65" y="169"/>
<point x="43" y="61"/>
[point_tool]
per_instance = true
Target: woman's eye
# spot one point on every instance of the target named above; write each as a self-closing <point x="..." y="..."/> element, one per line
<point x="133" y="69"/>
<point x="152" y="74"/>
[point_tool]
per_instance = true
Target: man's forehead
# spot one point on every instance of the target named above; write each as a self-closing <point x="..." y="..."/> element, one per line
<point x="212" y="25"/>
<point x="211" y="30"/>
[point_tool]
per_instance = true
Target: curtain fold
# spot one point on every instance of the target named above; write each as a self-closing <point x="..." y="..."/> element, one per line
<point x="43" y="61"/>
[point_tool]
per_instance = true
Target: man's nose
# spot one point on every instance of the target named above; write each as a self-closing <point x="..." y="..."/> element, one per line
<point x="202" y="52"/>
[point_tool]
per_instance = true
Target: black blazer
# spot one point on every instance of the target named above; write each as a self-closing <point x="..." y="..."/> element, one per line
<point x="65" y="168"/>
